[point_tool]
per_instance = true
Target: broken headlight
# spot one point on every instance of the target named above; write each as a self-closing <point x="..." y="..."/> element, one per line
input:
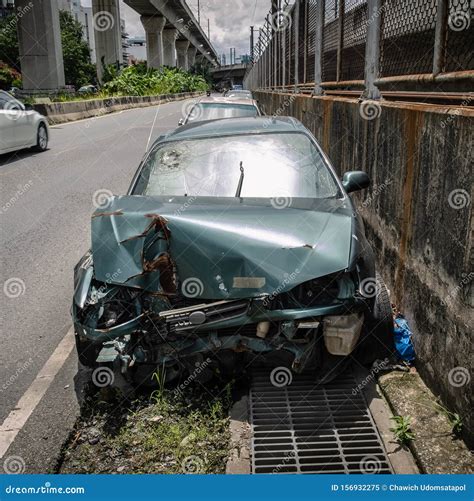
<point x="318" y="292"/>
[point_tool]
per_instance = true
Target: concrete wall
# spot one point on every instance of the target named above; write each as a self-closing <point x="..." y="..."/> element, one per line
<point x="58" y="113"/>
<point x="418" y="216"/>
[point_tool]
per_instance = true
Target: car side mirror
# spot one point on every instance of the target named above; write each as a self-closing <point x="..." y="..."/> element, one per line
<point x="181" y="122"/>
<point x="355" y="180"/>
<point x="28" y="107"/>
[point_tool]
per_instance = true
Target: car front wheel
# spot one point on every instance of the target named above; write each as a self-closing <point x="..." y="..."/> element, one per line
<point x="378" y="342"/>
<point x="41" y="138"/>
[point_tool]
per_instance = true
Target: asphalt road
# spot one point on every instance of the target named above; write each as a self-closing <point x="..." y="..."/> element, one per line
<point x="46" y="203"/>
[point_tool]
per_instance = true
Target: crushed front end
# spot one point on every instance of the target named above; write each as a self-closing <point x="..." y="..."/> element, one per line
<point x="154" y="293"/>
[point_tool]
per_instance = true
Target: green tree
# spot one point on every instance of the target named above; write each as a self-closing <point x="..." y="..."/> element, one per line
<point x="78" y="69"/>
<point x="203" y="69"/>
<point x="9" y="52"/>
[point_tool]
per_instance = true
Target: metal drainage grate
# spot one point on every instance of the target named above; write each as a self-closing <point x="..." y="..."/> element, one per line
<point x="307" y="427"/>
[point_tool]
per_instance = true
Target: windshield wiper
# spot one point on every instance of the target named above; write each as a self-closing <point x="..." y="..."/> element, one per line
<point x="241" y="180"/>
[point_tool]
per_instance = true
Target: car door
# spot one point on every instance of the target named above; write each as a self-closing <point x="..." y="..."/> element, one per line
<point x="6" y="126"/>
<point x="20" y="129"/>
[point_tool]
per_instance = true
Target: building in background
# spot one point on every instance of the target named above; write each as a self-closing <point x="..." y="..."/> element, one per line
<point x="85" y="17"/>
<point x="6" y="8"/>
<point x="125" y="43"/>
<point x="136" y="49"/>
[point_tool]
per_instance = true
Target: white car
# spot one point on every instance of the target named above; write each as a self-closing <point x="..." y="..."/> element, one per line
<point x="21" y="126"/>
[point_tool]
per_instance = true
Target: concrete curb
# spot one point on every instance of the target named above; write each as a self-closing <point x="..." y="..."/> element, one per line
<point x="239" y="455"/>
<point x="434" y="448"/>
<point x="58" y="113"/>
<point x="401" y="458"/>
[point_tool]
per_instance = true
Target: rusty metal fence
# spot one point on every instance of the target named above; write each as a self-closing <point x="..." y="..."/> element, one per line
<point x="319" y="45"/>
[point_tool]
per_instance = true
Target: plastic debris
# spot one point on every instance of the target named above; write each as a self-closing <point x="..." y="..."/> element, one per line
<point x="403" y="342"/>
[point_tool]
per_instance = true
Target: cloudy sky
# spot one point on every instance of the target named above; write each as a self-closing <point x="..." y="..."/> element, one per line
<point x="230" y="21"/>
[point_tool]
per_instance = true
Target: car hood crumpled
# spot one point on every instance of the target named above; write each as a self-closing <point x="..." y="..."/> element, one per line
<point x="219" y="248"/>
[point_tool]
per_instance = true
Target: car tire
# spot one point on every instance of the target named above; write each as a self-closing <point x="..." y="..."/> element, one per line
<point x="41" y="138"/>
<point x="87" y="352"/>
<point x="378" y="341"/>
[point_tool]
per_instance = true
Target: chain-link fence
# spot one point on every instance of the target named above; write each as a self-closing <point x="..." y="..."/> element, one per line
<point x="344" y="44"/>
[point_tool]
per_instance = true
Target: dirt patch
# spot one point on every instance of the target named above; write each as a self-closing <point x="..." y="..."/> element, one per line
<point x="167" y="432"/>
<point x="435" y="446"/>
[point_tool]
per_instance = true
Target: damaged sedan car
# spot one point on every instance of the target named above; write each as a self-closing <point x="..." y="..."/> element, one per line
<point x="236" y="245"/>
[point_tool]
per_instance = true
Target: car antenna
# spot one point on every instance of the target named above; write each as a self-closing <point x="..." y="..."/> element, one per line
<point x="241" y="180"/>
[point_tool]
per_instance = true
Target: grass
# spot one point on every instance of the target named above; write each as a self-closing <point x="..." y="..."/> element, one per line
<point x="402" y="431"/>
<point x="167" y="432"/>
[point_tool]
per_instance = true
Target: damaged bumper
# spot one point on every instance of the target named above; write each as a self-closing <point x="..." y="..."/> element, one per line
<point x="237" y="325"/>
<point x="135" y="296"/>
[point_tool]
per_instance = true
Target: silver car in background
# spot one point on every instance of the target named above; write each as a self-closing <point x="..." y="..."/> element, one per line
<point x="21" y="126"/>
<point x="212" y="108"/>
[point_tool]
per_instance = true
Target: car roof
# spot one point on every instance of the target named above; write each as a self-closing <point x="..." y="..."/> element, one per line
<point x="226" y="100"/>
<point x="234" y="126"/>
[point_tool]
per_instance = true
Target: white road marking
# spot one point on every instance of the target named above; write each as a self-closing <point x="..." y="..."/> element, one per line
<point x="17" y="418"/>
<point x="151" y="130"/>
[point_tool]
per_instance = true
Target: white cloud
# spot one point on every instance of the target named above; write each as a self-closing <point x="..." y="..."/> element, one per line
<point x="230" y="21"/>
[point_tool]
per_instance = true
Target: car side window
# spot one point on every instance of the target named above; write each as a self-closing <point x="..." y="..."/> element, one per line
<point x="8" y="102"/>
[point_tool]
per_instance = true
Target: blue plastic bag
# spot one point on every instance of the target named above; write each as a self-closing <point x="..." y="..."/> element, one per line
<point x="403" y="343"/>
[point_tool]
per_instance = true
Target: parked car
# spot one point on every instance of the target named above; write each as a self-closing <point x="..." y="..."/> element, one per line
<point x="87" y="89"/>
<point x="236" y="242"/>
<point x="21" y="126"/>
<point x="237" y="87"/>
<point x="242" y="94"/>
<point x="212" y="108"/>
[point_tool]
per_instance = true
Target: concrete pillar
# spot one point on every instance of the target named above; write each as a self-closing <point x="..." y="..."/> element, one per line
<point x="372" y="49"/>
<point x="182" y="47"/>
<point x="318" y="48"/>
<point x="108" y="35"/>
<point x="191" y="56"/>
<point x="154" y="39"/>
<point x="169" y="46"/>
<point x="39" y="39"/>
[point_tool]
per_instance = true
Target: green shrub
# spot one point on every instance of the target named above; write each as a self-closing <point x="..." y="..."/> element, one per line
<point x="139" y="80"/>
